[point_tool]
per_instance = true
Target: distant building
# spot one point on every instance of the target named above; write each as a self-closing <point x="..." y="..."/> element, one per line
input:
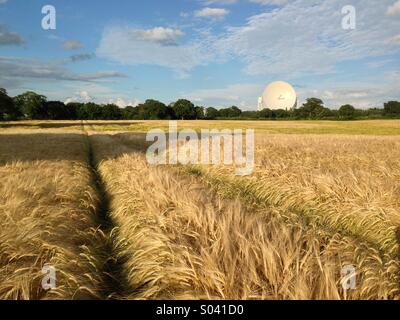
<point x="260" y="105"/>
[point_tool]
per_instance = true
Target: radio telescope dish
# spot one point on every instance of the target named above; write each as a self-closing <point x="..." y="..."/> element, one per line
<point x="279" y="95"/>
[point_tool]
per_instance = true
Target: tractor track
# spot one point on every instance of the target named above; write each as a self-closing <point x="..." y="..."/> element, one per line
<point x="113" y="277"/>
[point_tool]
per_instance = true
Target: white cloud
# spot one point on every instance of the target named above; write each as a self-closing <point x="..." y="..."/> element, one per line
<point x="211" y="13"/>
<point x="164" y="36"/>
<point x="394" y="9"/>
<point x="128" y="46"/>
<point x="99" y="94"/>
<point x="122" y="103"/>
<point x="80" y="96"/>
<point x="306" y="37"/>
<point x="303" y="37"/>
<point x="3" y="1"/>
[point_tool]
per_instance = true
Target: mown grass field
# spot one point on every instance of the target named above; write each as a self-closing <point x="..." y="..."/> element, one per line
<point x="82" y="198"/>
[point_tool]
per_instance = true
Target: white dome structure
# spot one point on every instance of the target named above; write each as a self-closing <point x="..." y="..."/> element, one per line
<point x="279" y="95"/>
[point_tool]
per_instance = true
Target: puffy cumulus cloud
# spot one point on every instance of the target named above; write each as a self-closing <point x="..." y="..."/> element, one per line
<point x="122" y="103"/>
<point x="159" y="35"/>
<point x="9" y="38"/>
<point x="139" y="46"/>
<point x="80" y="96"/>
<point x="72" y="45"/>
<point x="211" y="13"/>
<point x="306" y="36"/>
<point x="394" y="8"/>
<point x="99" y="94"/>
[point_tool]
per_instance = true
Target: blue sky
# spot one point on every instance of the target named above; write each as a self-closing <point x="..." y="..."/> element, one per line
<point x="214" y="52"/>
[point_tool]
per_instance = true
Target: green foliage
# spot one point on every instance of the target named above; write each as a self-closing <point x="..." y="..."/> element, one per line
<point x="111" y="112"/>
<point x="57" y="110"/>
<point x="312" y="109"/>
<point x="200" y="113"/>
<point x="76" y="110"/>
<point x="184" y="110"/>
<point x="232" y="112"/>
<point x="8" y="110"/>
<point x="92" y="111"/>
<point x="347" y="112"/>
<point x="130" y="113"/>
<point x="32" y="105"/>
<point x="392" y="108"/>
<point x="251" y="114"/>
<point x="153" y="110"/>
<point x="211" y="113"/>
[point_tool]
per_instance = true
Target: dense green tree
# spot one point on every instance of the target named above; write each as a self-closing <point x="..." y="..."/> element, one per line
<point x="281" y="114"/>
<point x="32" y="105"/>
<point x="92" y="111"/>
<point x="153" y="110"/>
<point x="392" y="108"/>
<point x="56" y="110"/>
<point x="266" y="114"/>
<point x="211" y="113"/>
<point x="130" y="113"/>
<point x="347" y="112"/>
<point x="75" y="111"/>
<point x="232" y="112"/>
<point x="313" y="108"/>
<point x="373" y="113"/>
<point x="111" y="112"/>
<point x="199" y="113"/>
<point x="8" y="110"/>
<point x="184" y="110"/>
<point x="250" y="115"/>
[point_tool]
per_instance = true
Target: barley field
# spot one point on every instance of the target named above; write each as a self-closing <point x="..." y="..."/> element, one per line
<point x="81" y="197"/>
<point x="47" y="209"/>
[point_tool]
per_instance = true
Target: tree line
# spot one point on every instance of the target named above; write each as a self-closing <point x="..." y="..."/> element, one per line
<point x="33" y="106"/>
